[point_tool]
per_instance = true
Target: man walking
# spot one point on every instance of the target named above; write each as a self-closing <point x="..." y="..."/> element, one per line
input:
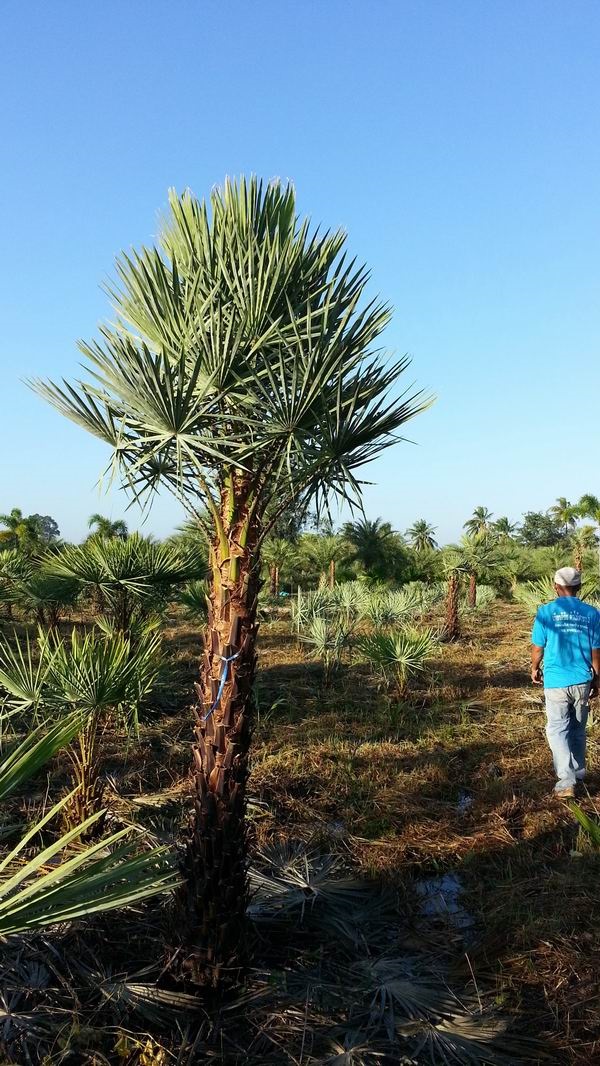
<point x="566" y="636"/>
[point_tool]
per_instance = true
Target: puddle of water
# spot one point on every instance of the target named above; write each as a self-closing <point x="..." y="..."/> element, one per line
<point x="439" y="898"/>
<point x="336" y="829"/>
<point x="465" y="801"/>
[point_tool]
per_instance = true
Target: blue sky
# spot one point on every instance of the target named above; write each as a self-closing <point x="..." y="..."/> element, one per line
<point x="456" y="141"/>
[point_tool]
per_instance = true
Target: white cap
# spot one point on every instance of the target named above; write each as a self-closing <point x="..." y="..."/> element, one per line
<point x="568" y="577"/>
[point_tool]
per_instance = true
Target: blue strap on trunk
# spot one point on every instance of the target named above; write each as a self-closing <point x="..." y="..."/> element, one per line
<point x="226" y="659"/>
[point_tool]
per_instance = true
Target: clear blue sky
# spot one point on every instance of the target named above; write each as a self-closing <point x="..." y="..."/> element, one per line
<point x="456" y="141"/>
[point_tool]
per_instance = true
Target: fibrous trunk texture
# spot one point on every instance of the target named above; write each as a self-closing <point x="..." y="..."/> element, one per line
<point x="332" y="573"/>
<point x="452" y="626"/>
<point x="214" y="896"/>
<point x="84" y="755"/>
<point x="578" y="558"/>
<point x="472" y="590"/>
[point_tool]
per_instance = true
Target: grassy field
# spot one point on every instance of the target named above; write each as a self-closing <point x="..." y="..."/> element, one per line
<point x="445" y="800"/>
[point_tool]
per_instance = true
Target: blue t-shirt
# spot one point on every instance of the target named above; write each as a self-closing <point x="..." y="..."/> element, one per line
<point x="567" y="629"/>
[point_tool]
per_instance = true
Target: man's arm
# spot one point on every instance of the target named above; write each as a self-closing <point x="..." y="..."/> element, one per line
<point x="537" y="654"/>
<point x="596" y="669"/>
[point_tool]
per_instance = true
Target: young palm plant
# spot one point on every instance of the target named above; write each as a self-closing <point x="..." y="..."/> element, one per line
<point x="57" y="884"/>
<point x="399" y="655"/>
<point x="129" y="578"/>
<point x="242" y="374"/>
<point x="93" y="675"/>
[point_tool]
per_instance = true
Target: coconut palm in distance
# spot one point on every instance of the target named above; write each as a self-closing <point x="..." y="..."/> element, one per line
<point x="106" y="528"/>
<point x="421" y="535"/>
<point x="564" y="513"/>
<point x="479" y="522"/>
<point x="504" y="529"/>
<point x="20" y="531"/>
<point x="241" y="374"/>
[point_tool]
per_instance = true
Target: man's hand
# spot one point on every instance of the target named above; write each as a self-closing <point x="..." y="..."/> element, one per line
<point x="536" y="675"/>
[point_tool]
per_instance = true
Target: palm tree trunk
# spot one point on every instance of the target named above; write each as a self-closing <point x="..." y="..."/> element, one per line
<point x="472" y="599"/>
<point x="273" y="580"/>
<point x="452" y="626"/>
<point x="578" y="558"/>
<point x="332" y="573"/>
<point x="277" y="581"/>
<point x="214" y="896"/>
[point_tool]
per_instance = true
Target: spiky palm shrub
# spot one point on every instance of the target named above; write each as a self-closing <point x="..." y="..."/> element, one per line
<point x="327" y="639"/>
<point x="241" y="374"/>
<point x="14" y="568"/>
<point x="57" y="884"/>
<point x="532" y="594"/>
<point x="45" y="596"/>
<point x="398" y="656"/>
<point x="130" y="578"/>
<point x="385" y="607"/>
<point x="94" y="675"/>
<point x="194" y="597"/>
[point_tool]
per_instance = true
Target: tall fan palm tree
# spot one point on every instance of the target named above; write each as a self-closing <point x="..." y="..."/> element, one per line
<point x="565" y="513"/>
<point x="368" y="542"/>
<point x="242" y="374"/>
<point x="589" y="507"/>
<point x="321" y="552"/>
<point x="583" y="539"/>
<point x="421" y="535"/>
<point x="105" y="527"/>
<point x="479" y="522"/>
<point x="474" y="554"/>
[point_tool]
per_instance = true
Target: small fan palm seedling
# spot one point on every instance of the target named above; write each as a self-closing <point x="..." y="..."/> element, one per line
<point x="95" y="675"/>
<point x="46" y="596"/>
<point x="327" y="639"/>
<point x="59" y="884"/>
<point x="194" y="597"/>
<point x="399" y="656"/>
<point x="390" y="608"/>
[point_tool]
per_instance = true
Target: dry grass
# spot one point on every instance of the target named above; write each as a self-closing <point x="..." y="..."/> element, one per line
<point x="380" y="782"/>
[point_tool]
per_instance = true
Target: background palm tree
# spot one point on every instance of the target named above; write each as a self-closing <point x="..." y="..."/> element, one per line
<point x="583" y="539"/>
<point x="564" y="513"/>
<point x="369" y="541"/>
<point x="21" y="532"/>
<point x="279" y="554"/>
<point x="241" y="374"/>
<point x="105" y="527"/>
<point x="474" y="555"/>
<point x="504" y="528"/>
<point x="479" y="522"/>
<point x="589" y="507"/>
<point x="421" y="535"/>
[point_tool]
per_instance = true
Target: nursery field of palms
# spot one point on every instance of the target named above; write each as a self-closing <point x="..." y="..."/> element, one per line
<point x="276" y="791"/>
<point x="415" y="889"/>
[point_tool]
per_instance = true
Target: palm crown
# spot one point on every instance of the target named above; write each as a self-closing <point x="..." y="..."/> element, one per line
<point x="479" y="522"/>
<point x="421" y="535"/>
<point x="240" y="345"/>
